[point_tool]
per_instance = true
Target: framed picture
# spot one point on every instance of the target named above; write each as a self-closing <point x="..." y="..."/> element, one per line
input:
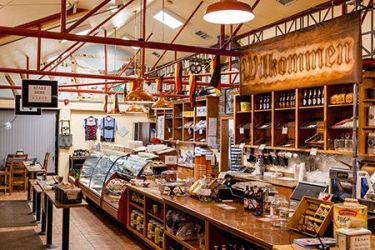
<point x="20" y="110"/>
<point x="229" y="101"/>
<point x="39" y="94"/>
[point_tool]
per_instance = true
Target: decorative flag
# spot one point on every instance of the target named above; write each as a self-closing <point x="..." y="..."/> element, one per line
<point x="215" y="70"/>
<point x="159" y="83"/>
<point x="178" y="77"/>
<point x="105" y="102"/>
<point x="116" y="108"/>
<point x="192" y="85"/>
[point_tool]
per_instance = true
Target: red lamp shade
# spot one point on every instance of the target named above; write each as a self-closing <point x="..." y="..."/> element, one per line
<point x="229" y="12"/>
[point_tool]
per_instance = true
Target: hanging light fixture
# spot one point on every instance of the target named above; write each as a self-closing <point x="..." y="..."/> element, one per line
<point x="229" y="12"/>
<point x="162" y="103"/>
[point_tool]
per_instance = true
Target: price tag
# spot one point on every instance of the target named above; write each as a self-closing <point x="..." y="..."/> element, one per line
<point x="284" y="131"/>
<point x="242" y="145"/>
<point x="313" y="151"/>
<point x="170" y="160"/>
<point x="242" y="131"/>
<point x="201" y="131"/>
<point x="262" y="147"/>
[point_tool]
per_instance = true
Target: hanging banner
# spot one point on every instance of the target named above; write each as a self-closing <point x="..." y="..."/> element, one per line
<point x="328" y="53"/>
<point x="39" y="93"/>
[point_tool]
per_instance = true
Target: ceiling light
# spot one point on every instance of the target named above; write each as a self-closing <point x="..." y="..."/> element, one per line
<point x="167" y="19"/>
<point x="229" y="12"/>
<point x="139" y="95"/>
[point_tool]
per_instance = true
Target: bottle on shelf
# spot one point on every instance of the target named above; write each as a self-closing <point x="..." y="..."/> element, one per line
<point x="314" y="97"/>
<point x="281" y="101"/>
<point x="310" y="98"/>
<point x="287" y="100"/>
<point x="318" y="98"/>
<point x="293" y="100"/>
<point x="304" y="102"/>
<point x="322" y="97"/>
<point x="261" y="103"/>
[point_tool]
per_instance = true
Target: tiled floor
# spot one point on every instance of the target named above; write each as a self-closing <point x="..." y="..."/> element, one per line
<point x="90" y="228"/>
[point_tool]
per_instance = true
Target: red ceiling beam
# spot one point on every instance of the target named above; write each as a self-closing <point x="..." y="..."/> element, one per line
<point x="91" y="32"/>
<point x="178" y="33"/>
<point x="90" y="84"/>
<point x="65" y="74"/>
<point x="90" y="91"/>
<point x="63" y="14"/>
<point x="87" y="15"/>
<point x="295" y="16"/>
<point x="132" y="59"/>
<point x="114" y="41"/>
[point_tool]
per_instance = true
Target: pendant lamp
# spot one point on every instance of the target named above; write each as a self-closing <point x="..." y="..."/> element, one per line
<point x="139" y="95"/>
<point x="229" y="12"/>
<point x="162" y="103"/>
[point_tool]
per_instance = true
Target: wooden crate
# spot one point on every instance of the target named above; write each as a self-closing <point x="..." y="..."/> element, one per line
<point x="307" y="209"/>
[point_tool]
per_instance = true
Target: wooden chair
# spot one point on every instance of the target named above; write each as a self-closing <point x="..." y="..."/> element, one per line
<point x="45" y="164"/>
<point x="5" y="173"/>
<point x="18" y="172"/>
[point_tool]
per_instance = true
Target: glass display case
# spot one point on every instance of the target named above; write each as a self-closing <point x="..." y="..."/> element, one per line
<point x="124" y="169"/>
<point x="101" y="170"/>
<point x="88" y="168"/>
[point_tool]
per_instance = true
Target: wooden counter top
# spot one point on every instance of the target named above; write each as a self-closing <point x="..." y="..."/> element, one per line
<point x="152" y="191"/>
<point x="233" y="218"/>
<point x="273" y="181"/>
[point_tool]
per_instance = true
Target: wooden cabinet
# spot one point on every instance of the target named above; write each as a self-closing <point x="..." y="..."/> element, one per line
<point x="284" y="120"/>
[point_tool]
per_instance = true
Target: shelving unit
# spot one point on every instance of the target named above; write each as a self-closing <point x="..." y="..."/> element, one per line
<point x="149" y="200"/>
<point x="284" y="127"/>
<point x="166" y="119"/>
<point x="184" y="114"/>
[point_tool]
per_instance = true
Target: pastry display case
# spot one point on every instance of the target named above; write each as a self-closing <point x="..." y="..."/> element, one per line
<point x="88" y="168"/>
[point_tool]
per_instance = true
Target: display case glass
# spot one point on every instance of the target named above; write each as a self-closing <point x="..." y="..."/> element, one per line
<point x="88" y="168"/>
<point x="125" y="168"/>
<point x="100" y="172"/>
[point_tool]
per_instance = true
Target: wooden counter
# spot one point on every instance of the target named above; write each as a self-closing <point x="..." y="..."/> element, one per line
<point x="296" y="247"/>
<point x="235" y="220"/>
<point x="282" y="186"/>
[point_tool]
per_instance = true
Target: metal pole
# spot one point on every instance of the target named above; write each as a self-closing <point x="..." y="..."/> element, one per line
<point x="355" y="139"/>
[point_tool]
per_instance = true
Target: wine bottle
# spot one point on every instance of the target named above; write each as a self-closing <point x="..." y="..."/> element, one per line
<point x="319" y="98"/>
<point x="322" y="97"/>
<point x="261" y="103"/>
<point x="305" y="98"/>
<point x="281" y="100"/>
<point x="314" y="97"/>
<point x="310" y="98"/>
<point x="287" y="101"/>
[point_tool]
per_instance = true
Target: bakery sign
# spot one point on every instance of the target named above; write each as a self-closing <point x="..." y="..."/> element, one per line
<point x="328" y="53"/>
<point x="39" y="93"/>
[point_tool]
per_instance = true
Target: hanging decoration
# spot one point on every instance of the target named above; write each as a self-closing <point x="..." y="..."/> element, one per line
<point x="215" y="71"/>
<point x="139" y="95"/>
<point x="159" y="83"/>
<point x="105" y="103"/>
<point x="192" y="86"/>
<point x="162" y="103"/>
<point x="115" y="106"/>
<point x="178" y="77"/>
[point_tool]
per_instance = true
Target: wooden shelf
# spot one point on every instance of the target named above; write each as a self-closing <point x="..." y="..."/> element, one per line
<point x="191" y="244"/>
<point x="312" y="107"/>
<point x="243" y="112"/>
<point x="145" y="239"/>
<point x="155" y="217"/>
<point x="262" y="110"/>
<point x="304" y="150"/>
<point x="369" y="128"/>
<point x="136" y="206"/>
<point x="369" y="100"/>
<point x="281" y="109"/>
<point x="340" y="105"/>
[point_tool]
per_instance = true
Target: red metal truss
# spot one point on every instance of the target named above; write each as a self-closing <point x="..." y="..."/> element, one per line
<point x="114" y="41"/>
<point x="178" y="33"/>
<point x="87" y="15"/>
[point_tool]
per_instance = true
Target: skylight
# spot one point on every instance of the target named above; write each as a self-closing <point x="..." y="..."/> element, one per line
<point x="167" y="19"/>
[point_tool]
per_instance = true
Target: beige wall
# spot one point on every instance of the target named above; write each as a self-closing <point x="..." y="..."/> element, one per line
<point x="76" y="112"/>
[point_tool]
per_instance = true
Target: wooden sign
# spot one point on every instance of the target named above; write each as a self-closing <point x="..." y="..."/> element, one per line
<point x="328" y="53"/>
